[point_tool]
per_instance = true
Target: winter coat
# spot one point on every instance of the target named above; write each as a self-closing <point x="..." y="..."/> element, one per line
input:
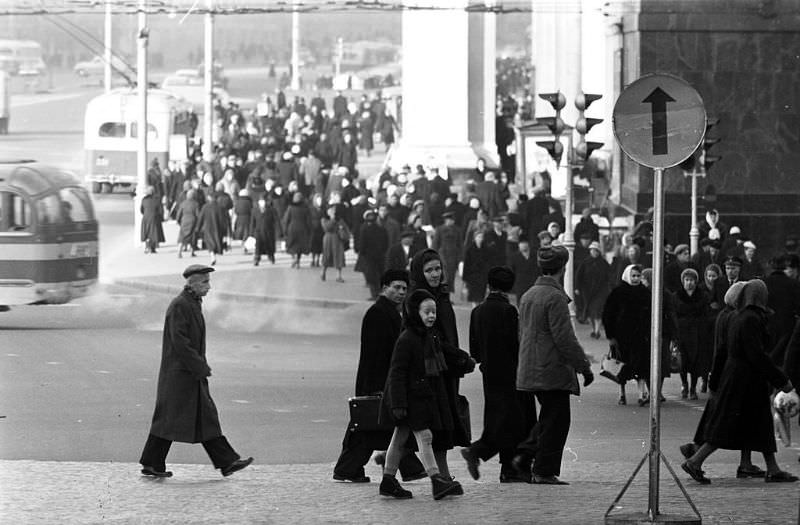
<point x="332" y="243"/>
<point x="549" y="353"/>
<point x="525" y="272"/>
<point x="151" y="219"/>
<point x="297" y="228"/>
<point x="742" y="418"/>
<point x="593" y="281"/>
<point x="694" y="336"/>
<point x="626" y="318"/>
<point x="380" y="329"/>
<point x="477" y="261"/>
<point x="263" y="226"/>
<point x="784" y="300"/>
<point x="184" y="409"/>
<point x="213" y="225"/>
<point x="373" y="243"/>
<point x="243" y="208"/>
<point x="188" y="216"/>
<point x="396" y="258"/>
<point x="447" y="241"/>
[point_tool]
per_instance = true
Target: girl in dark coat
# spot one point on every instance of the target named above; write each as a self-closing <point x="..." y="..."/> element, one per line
<point x="694" y="341"/>
<point x="593" y="282"/>
<point x="213" y="225"/>
<point x="477" y="261"/>
<point x="243" y="208"/>
<point x="742" y="419"/>
<point x="187" y="217"/>
<point x="297" y="228"/>
<point x="416" y="393"/>
<point x="152" y="232"/>
<point x="626" y="318"/>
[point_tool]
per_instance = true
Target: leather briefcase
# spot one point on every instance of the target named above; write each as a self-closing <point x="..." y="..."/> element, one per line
<point x="365" y="414"/>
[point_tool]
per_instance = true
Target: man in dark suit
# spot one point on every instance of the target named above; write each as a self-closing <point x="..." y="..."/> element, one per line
<point x="399" y="255"/>
<point x="184" y="409"/>
<point x="733" y="265"/>
<point x="380" y="329"/>
<point x="508" y="414"/>
<point x="532" y="213"/>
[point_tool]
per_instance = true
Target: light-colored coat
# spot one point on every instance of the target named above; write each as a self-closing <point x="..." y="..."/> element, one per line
<point x="549" y="353"/>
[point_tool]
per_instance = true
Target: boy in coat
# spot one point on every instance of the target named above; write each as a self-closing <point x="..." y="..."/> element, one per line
<point x="184" y="409"/>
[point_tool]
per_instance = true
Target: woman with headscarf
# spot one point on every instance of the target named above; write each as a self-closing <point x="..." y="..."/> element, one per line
<point x="336" y="233"/>
<point x="742" y="418"/>
<point x="593" y="282"/>
<point x="626" y="318"/>
<point x="187" y="217"/>
<point x="427" y="273"/>
<point x="746" y="468"/>
<point x="152" y="232"/>
<point x="632" y="254"/>
<point x="243" y="210"/>
<point x="694" y="340"/>
<point x="416" y="395"/>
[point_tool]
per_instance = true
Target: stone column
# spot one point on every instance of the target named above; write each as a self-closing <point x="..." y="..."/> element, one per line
<point x="448" y="95"/>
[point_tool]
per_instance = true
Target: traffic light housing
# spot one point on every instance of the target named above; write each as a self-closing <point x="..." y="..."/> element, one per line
<point x="701" y="158"/>
<point x="584" y="149"/>
<point x="555" y="124"/>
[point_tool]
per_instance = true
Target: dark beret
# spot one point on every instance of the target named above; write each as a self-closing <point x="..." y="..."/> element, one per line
<point x="501" y="278"/>
<point x="733" y="261"/>
<point x="195" y="269"/>
<point x="552" y="257"/>
<point x="390" y="276"/>
<point x="449" y="215"/>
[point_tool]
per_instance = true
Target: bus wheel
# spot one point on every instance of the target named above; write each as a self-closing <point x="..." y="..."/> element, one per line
<point x="107" y="187"/>
<point x="95" y="187"/>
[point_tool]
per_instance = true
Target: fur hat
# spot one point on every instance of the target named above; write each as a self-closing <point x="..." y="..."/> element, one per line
<point x="501" y="278"/>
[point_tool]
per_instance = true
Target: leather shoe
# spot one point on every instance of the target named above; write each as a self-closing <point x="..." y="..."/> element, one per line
<point x="547" y="480"/>
<point x="352" y="479"/>
<point x="514" y="478"/>
<point x="751" y="472"/>
<point x="696" y="473"/>
<point x="237" y="465"/>
<point x="415" y="476"/>
<point x="150" y="471"/>
<point x="780" y="477"/>
<point x="472" y="462"/>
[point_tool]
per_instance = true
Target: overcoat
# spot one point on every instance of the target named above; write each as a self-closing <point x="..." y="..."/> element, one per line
<point x="373" y="242"/>
<point x="380" y="329"/>
<point x="332" y="244"/>
<point x="549" y="353"/>
<point x="263" y="225"/>
<point x="742" y="418"/>
<point x="243" y="208"/>
<point x="477" y="261"/>
<point x="447" y="240"/>
<point x="184" y="409"/>
<point x="593" y="280"/>
<point x="213" y="224"/>
<point x="297" y="228"/>
<point x="187" y="217"/>
<point x="626" y="318"/>
<point x="151" y="219"/>
<point x="694" y="337"/>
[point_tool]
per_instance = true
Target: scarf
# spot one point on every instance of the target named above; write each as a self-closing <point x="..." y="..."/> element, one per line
<point x="434" y="358"/>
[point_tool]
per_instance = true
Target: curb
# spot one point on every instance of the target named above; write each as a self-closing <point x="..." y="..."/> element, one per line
<point x="340" y="304"/>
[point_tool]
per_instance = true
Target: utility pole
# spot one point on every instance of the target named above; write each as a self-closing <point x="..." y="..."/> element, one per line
<point x="107" y="49"/>
<point x="295" y="85"/>
<point x="141" y="127"/>
<point x="208" y="79"/>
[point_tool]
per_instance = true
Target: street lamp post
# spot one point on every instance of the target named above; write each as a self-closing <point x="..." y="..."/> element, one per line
<point x="208" y="83"/>
<point x="141" y="151"/>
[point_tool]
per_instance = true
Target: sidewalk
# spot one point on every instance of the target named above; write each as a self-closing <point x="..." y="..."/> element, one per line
<point x="72" y="492"/>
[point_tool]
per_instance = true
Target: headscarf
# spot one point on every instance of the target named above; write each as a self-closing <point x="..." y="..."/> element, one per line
<point x="418" y="262"/>
<point x="733" y="294"/>
<point x="626" y="275"/>
<point x="434" y="359"/>
<point x="714" y="267"/>
<point x="754" y="294"/>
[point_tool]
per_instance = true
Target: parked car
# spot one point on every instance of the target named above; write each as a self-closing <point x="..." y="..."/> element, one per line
<point x="95" y="67"/>
<point x="192" y="88"/>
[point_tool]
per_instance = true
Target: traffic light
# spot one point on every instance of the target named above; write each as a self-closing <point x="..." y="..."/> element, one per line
<point x="584" y="149"/>
<point x="554" y="124"/>
<point x="700" y="158"/>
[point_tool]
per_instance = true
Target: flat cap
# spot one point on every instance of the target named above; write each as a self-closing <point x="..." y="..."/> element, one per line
<point x="733" y="261"/>
<point x="196" y="268"/>
<point x="680" y="249"/>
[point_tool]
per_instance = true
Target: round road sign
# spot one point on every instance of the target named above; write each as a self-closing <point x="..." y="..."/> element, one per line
<point x="659" y="120"/>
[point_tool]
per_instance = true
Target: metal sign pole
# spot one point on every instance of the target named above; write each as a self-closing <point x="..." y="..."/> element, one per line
<point x="655" y="341"/>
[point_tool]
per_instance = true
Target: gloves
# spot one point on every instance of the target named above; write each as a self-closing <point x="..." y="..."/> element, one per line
<point x="588" y="378"/>
<point x="400" y="413"/>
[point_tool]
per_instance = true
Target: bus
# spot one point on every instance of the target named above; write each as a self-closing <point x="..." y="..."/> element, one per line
<point x="48" y="235"/>
<point x="22" y="58"/>
<point x="110" y="135"/>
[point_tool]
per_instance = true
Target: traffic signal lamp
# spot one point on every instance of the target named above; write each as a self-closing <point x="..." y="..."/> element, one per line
<point x="555" y="124"/>
<point x="701" y="157"/>
<point x="584" y="149"/>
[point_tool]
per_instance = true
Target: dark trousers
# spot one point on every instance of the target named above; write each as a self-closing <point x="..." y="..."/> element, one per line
<point x="156" y="450"/>
<point x="357" y="448"/>
<point x="519" y="409"/>
<point x="550" y="433"/>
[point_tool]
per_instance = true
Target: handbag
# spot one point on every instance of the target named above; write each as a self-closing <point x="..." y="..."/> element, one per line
<point x="674" y="358"/>
<point x="611" y="367"/>
<point x="462" y="407"/>
<point x="366" y="414"/>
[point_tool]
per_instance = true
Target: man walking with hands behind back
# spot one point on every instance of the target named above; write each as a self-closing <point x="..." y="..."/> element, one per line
<point x="184" y="409"/>
<point x="549" y="358"/>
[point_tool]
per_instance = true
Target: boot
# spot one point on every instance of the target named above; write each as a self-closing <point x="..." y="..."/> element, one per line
<point x="391" y="487"/>
<point x="445" y="487"/>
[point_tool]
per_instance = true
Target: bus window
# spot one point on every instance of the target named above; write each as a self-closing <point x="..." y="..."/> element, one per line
<point x="112" y="129"/>
<point x="15" y="214"/>
<point x="75" y="205"/>
<point x="151" y="130"/>
<point x="48" y="210"/>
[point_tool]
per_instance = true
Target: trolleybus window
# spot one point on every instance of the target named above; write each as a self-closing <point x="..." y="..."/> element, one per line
<point x="112" y="129"/>
<point x="75" y="205"/>
<point x="48" y="210"/>
<point x="15" y="214"/>
<point x="151" y="130"/>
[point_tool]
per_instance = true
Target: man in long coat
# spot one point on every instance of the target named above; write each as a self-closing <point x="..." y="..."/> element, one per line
<point x="447" y="240"/>
<point x="509" y="414"/>
<point x="373" y="242"/>
<point x="213" y="226"/>
<point x="184" y="409"/>
<point x="380" y="329"/>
